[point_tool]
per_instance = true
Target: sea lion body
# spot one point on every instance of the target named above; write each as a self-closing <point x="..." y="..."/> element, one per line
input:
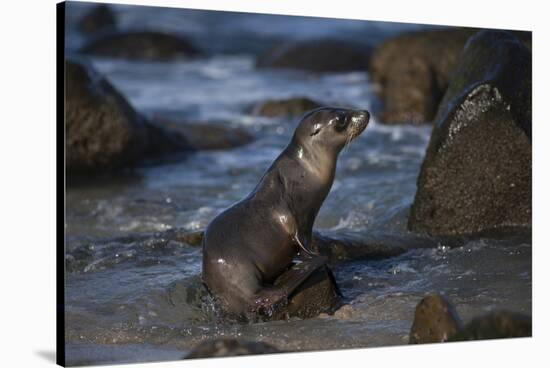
<point x="249" y="245"/>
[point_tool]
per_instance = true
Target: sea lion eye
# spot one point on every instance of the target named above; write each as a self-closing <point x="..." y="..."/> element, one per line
<point x="339" y="123"/>
<point x="316" y="129"/>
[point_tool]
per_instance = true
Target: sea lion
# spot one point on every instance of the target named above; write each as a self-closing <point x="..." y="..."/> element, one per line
<point x="246" y="247"/>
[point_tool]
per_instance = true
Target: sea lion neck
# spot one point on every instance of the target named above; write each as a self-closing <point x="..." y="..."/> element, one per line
<point x="317" y="162"/>
<point x="303" y="184"/>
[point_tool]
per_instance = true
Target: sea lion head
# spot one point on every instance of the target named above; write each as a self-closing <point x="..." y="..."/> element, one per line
<point x="327" y="130"/>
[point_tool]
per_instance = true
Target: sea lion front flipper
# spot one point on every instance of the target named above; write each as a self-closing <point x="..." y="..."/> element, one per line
<point x="298" y="273"/>
<point x="271" y="298"/>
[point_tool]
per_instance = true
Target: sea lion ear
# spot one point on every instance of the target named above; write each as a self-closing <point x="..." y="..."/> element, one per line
<point x="316" y="129"/>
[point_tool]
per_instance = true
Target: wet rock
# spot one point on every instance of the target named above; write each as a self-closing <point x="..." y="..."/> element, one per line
<point x="317" y="56"/>
<point x="435" y="320"/>
<point x="346" y="312"/>
<point x="188" y="291"/>
<point x="212" y="135"/>
<point x="341" y="246"/>
<point x="230" y="347"/>
<point x="193" y="238"/>
<point x="190" y="301"/>
<point x="476" y="176"/>
<point x="100" y="18"/>
<point x="103" y="131"/>
<point x="412" y="71"/>
<point x="318" y="294"/>
<point x="496" y="325"/>
<point x="291" y="107"/>
<point x="140" y="45"/>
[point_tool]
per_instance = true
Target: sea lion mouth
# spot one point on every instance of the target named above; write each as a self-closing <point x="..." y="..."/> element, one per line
<point x="358" y="122"/>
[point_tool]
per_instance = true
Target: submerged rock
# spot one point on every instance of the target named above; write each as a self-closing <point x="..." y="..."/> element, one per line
<point x="100" y="18"/>
<point x="230" y="347"/>
<point x="496" y="325"/>
<point x="317" y="56"/>
<point x="412" y="71"/>
<point x="291" y="107"/>
<point x="103" y="131"/>
<point x="476" y="176"/>
<point x="140" y="45"/>
<point x="435" y="320"/>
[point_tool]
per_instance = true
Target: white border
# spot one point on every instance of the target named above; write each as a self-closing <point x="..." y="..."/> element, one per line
<point x="27" y="153"/>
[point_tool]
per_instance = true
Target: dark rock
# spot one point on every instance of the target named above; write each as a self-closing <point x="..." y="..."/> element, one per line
<point x="347" y="312"/>
<point x="188" y="291"/>
<point x="317" y="56"/>
<point x="291" y="107"/>
<point x="496" y="325"/>
<point x="101" y="17"/>
<point x="189" y="300"/>
<point x="318" y="294"/>
<point x="103" y="131"/>
<point x="230" y="347"/>
<point x="213" y="135"/>
<point x="476" y="176"/>
<point x="435" y="320"/>
<point x="193" y="238"/>
<point x="341" y="246"/>
<point x="412" y="71"/>
<point x="140" y="45"/>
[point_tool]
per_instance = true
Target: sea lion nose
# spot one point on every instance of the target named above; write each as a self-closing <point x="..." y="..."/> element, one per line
<point x="363" y="114"/>
<point x="359" y="115"/>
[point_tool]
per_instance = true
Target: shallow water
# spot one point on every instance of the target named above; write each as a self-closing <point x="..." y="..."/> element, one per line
<point x="127" y="299"/>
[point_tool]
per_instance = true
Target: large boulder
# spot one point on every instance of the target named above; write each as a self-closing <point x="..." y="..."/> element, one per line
<point x="103" y="131"/>
<point x="290" y="107"/>
<point x="230" y="347"/>
<point x="140" y="45"/>
<point x="476" y="176"/>
<point x="411" y="72"/>
<point x="99" y="18"/>
<point x="317" y="56"/>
